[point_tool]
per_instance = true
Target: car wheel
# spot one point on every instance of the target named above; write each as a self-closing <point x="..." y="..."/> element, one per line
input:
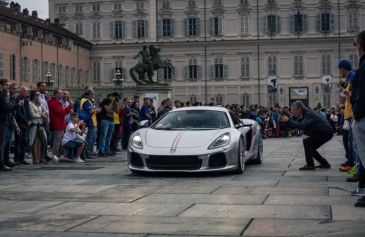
<point x="241" y="164"/>
<point x="260" y="151"/>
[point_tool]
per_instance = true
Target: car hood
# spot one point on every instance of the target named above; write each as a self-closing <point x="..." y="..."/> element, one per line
<point x="180" y="138"/>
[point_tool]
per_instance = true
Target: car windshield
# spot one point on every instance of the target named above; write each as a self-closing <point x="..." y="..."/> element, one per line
<point x="193" y="120"/>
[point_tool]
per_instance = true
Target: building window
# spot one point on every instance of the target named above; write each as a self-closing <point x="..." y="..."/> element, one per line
<point x="327" y="100"/>
<point x="192" y="71"/>
<point x="25" y="69"/>
<point x="325" y="22"/>
<point x="219" y="99"/>
<point x="96" y="71"/>
<point x="166" y="4"/>
<point x="272" y="100"/>
<point x="140" y="29"/>
<point x="96" y="30"/>
<point x="12" y="67"/>
<point x="118" y="30"/>
<point x="298" y="66"/>
<point x="193" y="99"/>
<point x="96" y="7"/>
<point x="272" y="65"/>
<point x="244" y="3"/>
<point x="217" y="3"/>
<point x="354" y="59"/>
<point x="326" y="65"/>
<point x="192" y="3"/>
<point x="167" y="27"/>
<point x="45" y="69"/>
<point x="67" y="76"/>
<point x="245" y="67"/>
<point x="117" y="6"/>
<point x="78" y="8"/>
<point x="244" y="24"/>
<point x="168" y="73"/>
<point x="79" y="28"/>
<point x="73" y="77"/>
<point x="353" y="22"/>
<point x="215" y="24"/>
<point x="219" y="70"/>
<point x="140" y="5"/>
<point x="298" y="23"/>
<point x="2" y="69"/>
<point x="246" y="102"/>
<point x="36" y="70"/>
<point x="192" y="27"/>
<point x="61" y="9"/>
<point x="271" y="24"/>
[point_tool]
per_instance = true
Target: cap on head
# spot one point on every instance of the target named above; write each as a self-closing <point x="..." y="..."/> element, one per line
<point x="345" y="64"/>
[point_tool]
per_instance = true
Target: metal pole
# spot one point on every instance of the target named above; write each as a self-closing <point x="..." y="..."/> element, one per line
<point x="205" y="53"/>
<point x="258" y="51"/>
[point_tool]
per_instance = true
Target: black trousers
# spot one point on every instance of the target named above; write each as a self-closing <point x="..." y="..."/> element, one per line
<point x="311" y="144"/>
<point x="20" y="145"/>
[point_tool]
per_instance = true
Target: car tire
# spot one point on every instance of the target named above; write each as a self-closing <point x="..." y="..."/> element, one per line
<point x="241" y="164"/>
<point x="259" y="157"/>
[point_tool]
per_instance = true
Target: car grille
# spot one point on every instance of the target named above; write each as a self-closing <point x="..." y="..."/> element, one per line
<point x="174" y="162"/>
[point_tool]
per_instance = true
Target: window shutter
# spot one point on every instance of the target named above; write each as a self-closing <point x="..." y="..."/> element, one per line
<point x="212" y="72"/>
<point x="278" y="24"/>
<point x="264" y="24"/>
<point x="355" y="25"/>
<point x="318" y="23"/>
<point x="172" y="27"/>
<point x="173" y="74"/>
<point x="112" y="30"/>
<point x="145" y="29"/>
<point x="159" y="28"/>
<point x="220" y="25"/>
<point x="332" y="22"/>
<point x="199" y="72"/>
<point x="186" y="72"/>
<point x="225" y="71"/>
<point x="134" y="23"/>
<point x="305" y="23"/>
<point x="124" y="30"/>
<point x="211" y="25"/>
<point x="186" y="28"/>
<point x="291" y="23"/>
<point x="197" y="27"/>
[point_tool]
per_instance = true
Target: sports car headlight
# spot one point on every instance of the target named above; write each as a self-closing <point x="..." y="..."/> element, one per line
<point x="221" y="141"/>
<point x="137" y="141"/>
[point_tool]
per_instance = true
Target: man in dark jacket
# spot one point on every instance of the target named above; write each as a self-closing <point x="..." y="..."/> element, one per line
<point x="317" y="132"/>
<point x="5" y="109"/>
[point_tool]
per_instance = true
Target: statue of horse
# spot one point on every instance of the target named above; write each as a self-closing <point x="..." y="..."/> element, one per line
<point x="141" y="68"/>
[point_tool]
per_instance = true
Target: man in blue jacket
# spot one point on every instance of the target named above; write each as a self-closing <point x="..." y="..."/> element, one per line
<point x="317" y="132"/>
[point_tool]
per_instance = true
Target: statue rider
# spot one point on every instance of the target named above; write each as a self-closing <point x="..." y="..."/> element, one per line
<point x="146" y="59"/>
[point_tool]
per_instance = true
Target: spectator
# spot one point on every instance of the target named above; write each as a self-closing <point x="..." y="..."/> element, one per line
<point x="106" y="128"/>
<point x="145" y="111"/>
<point x="127" y="123"/>
<point x="117" y="124"/>
<point x="70" y="139"/>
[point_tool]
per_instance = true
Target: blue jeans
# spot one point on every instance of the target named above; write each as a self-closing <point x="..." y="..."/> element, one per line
<point x="106" y="133"/>
<point x="90" y="139"/>
<point x="8" y="139"/>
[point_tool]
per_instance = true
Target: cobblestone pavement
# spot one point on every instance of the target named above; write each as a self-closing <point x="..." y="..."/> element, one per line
<point x="102" y="198"/>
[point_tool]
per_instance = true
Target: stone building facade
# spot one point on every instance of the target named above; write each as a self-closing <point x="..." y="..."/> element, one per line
<point x="34" y="50"/>
<point x="226" y="51"/>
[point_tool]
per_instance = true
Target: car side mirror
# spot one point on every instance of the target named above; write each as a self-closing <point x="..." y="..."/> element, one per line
<point x="240" y="125"/>
<point x="144" y="124"/>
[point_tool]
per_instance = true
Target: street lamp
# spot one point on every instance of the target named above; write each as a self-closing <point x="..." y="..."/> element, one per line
<point x="49" y="81"/>
<point x="118" y="79"/>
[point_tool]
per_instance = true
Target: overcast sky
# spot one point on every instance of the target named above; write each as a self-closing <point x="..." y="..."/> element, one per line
<point x="41" y="6"/>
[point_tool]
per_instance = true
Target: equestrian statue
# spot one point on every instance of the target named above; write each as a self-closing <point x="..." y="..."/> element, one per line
<point x="151" y="62"/>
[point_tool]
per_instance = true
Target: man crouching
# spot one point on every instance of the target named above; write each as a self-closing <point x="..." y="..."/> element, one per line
<point x="317" y="131"/>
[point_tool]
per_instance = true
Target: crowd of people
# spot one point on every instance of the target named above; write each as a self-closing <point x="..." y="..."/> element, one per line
<point x="85" y="128"/>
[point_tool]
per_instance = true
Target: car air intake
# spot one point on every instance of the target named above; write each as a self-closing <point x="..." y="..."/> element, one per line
<point x="136" y="160"/>
<point x="174" y="162"/>
<point x="217" y="160"/>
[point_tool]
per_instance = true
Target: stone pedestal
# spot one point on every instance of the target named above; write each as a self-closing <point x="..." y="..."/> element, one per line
<point x="158" y="92"/>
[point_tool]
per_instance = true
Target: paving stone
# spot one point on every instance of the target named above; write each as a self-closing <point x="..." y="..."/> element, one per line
<point x="36" y="222"/>
<point x="25" y="206"/>
<point x="143" y="209"/>
<point x="277" y="227"/>
<point x="203" y="198"/>
<point x="258" y="211"/>
<point x="63" y="234"/>
<point x="342" y="212"/>
<point x="60" y="188"/>
<point x="310" y="200"/>
<point x="162" y="225"/>
<point x="290" y="190"/>
<point x="288" y="183"/>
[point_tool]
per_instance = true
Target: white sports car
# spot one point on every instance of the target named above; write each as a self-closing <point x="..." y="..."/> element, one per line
<point x="196" y="139"/>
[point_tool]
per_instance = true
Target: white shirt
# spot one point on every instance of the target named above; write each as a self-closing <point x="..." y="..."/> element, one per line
<point x="69" y="135"/>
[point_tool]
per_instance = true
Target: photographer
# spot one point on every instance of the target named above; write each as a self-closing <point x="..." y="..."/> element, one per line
<point x="317" y="132"/>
